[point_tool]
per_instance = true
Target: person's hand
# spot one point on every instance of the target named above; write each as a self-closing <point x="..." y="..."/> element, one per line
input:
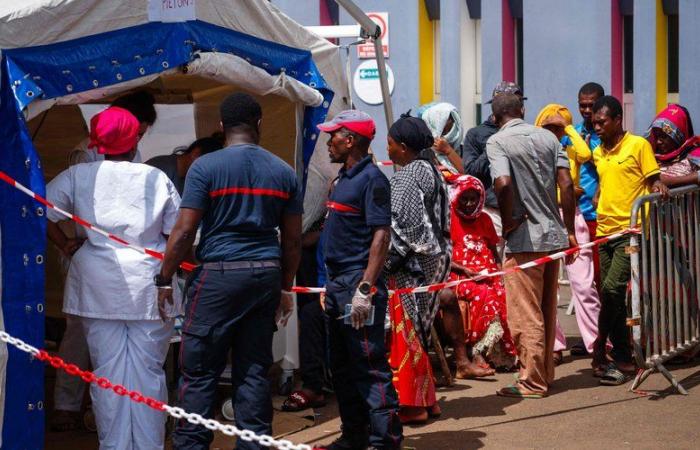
<point x="460" y="269"/>
<point x="165" y="295"/>
<point x="71" y="246"/>
<point x="359" y="311"/>
<point x="511" y="225"/>
<point x="578" y="191"/>
<point x="442" y="146"/>
<point x="660" y="188"/>
<point x="285" y="309"/>
<point x="573" y="242"/>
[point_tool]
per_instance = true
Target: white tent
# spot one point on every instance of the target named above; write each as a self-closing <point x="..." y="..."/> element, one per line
<point x="56" y="54"/>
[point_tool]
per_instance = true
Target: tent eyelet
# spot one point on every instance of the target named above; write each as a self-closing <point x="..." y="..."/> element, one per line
<point x="325" y="104"/>
<point x="119" y="77"/>
<point x="312" y="84"/>
<point x="159" y="51"/>
<point x="24" y="211"/>
<point x="40" y="308"/>
<point x="313" y="137"/>
<point x="69" y="87"/>
<point x="95" y="83"/>
<point x="40" y="405"/>
<point x="30" y="94"/>
<point x="40" y="211"/>
<point x="39" y="259"/>
<point x="142" y="71"/>
<point x="25" y="259"/>
<point x="165" y="64"/>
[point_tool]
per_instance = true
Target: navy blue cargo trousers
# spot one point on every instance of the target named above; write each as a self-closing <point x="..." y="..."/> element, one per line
<point x="228" y="310"/>
<point x="361" y="374"/>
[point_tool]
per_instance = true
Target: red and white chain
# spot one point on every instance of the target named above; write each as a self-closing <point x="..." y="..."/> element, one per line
<point x="136" y="396"/>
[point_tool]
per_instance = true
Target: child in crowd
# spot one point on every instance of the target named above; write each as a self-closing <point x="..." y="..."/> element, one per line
<point x="482" y="302"/>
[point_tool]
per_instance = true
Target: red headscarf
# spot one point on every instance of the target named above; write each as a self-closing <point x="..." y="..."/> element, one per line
<point x="462" y="184"/>
<point x="674" y="121"/>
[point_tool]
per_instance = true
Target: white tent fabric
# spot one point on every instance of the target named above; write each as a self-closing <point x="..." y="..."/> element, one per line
<point x="27" y="23"/>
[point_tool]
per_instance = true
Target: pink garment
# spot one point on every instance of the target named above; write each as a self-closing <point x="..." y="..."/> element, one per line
<point x="583" y="290"/>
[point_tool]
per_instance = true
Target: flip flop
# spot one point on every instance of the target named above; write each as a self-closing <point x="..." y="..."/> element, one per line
<point x="515" y="392"/>
<point x="299" y="401"/>
<point x="579" y="349"/>
<point x="613" y="376"/>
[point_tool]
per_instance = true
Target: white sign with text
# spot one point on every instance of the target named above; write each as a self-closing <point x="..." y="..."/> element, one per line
<point x="171" y="10"/>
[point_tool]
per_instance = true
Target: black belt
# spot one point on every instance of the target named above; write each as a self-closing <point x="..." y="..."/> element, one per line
<point x="236" y="265"/>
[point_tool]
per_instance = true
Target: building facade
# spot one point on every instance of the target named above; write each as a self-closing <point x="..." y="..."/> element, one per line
<point x="644" y="52"/>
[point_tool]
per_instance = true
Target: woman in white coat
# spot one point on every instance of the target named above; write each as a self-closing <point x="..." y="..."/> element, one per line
<point x="109" y="286"/>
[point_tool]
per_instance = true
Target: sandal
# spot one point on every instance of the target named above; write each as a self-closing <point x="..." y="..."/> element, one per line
<point x="412" y="415"/>
<point x="579" y="349"/>
<point x="299" y="401"/>
<point x="557" y="357"/>
<point x="434" y="411"/>
<point x="515" y="392"/>
<point x="613" y="376"/>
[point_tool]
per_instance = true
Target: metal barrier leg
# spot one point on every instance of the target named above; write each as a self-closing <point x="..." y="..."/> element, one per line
<point x="671" y="379"/>
<point x="642" y="374"/>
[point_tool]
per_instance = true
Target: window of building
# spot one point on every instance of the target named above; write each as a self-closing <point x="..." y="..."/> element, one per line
<point x="672" y="53"/>
<point x="519" y="64"/>
<point x="628" y="52"/>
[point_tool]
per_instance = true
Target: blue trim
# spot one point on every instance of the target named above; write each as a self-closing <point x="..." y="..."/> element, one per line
<point x="70" y="67"/>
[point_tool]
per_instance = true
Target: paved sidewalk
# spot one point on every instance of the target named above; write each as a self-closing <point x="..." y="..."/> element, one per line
<point x="579" y="414"/>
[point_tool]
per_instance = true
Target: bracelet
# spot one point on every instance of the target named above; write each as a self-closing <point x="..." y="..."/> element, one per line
<point x="287" y="292"/>
<point x="165" y="287"/>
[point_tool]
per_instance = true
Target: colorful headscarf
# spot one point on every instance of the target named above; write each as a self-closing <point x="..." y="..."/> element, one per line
<point x="460" y="186"/>
<point x="436" y="117"/>
<point x="674" y="121"/>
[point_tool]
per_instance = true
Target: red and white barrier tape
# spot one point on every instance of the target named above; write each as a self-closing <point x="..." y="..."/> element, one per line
<point x="137" y="397"/>
<point x="155" y="254"/>
<point x="527" y="265"/>
<point x="315" y="290"/>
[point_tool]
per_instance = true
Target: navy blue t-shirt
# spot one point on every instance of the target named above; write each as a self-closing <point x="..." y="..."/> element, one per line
<point x="360" y="201"/>
<point x="244" y="190"/>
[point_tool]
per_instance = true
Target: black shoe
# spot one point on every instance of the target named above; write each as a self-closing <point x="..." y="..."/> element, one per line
<point x="349" y="442"/>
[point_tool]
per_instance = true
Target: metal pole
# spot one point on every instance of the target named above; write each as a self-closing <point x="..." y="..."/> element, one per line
<point x="372" y="30"/>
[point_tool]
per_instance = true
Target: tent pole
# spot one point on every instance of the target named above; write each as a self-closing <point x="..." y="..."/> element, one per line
<point x="372" y="30"/>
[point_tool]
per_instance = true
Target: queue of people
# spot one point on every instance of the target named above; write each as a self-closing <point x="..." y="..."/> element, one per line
<point x="460" y="205"/>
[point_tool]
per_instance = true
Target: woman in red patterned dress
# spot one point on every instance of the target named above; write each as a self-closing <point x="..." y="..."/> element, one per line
<point x="483" y="301"/>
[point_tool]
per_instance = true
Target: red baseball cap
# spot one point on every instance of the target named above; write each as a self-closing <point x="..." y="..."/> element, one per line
<point x="352" y="119"/>
<point x="114" y="131"/>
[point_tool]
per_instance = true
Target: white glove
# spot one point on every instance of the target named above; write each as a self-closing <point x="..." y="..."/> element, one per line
<point x="359" y="312"/>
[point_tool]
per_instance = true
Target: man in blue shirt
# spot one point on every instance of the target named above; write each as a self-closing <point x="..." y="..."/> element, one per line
<point x="356" y="240"/>
<point x="242" y="195"/>
<point x="587" y="96"/>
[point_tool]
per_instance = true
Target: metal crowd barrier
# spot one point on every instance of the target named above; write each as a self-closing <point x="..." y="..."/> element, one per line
<point x="665" y="260"/>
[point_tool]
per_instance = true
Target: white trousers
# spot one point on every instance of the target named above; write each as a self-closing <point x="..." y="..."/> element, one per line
<point x="69" y="390"/>
<point x="130" y="353"/>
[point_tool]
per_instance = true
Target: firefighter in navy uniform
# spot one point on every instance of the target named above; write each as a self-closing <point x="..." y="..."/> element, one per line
<point x="356" y="237"/>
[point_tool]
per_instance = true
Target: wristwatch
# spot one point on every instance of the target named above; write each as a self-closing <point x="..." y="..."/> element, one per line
<point x="365" y="288"/>
<point x="162" y="282"/>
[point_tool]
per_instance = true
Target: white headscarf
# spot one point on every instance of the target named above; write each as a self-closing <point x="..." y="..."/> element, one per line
<point x="436" y="117"/>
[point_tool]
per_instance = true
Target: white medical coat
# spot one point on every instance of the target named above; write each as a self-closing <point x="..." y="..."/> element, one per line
<point x="136" y="202"/>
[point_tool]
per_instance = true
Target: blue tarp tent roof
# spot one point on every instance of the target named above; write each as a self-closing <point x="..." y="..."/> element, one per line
<point x="58" y="49"/>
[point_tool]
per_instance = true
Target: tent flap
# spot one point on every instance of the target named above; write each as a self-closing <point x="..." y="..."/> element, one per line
<point x="231" y="69"/>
